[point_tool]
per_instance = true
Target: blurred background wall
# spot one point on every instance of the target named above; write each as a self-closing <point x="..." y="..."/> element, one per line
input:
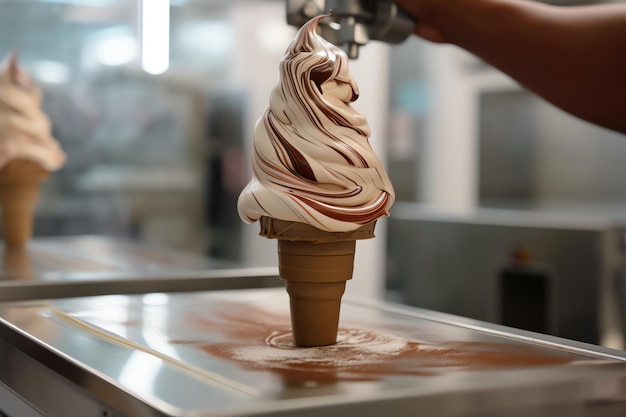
<point x="158" y="152"/>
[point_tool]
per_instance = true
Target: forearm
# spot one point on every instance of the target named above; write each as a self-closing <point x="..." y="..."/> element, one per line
<point x="573" y="57"/>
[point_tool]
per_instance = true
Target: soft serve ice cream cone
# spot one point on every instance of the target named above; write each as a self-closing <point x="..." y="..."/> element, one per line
<point x="28" y="152"/>
<point x="317" y="185"/>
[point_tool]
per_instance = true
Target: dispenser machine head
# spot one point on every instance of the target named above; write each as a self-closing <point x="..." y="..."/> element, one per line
<point x="353" y="23"/>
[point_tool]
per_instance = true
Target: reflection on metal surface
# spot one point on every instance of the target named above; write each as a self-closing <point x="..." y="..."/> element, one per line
<point x="17" y="264"/>
<point x="45" y="256"/>
<point x="230" y="353"/>
<point x="138" y="370"/>
<point x="92" y="265"/>
<point x="262" y="341"/>
<point x="256" y="337"/>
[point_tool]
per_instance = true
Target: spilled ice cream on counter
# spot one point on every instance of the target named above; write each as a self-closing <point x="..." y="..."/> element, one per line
<point x="312" y="162"/>
<point x="317" y="185"/>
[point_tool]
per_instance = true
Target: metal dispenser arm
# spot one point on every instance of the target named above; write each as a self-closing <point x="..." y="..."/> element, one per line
<point x="354" y="22"/>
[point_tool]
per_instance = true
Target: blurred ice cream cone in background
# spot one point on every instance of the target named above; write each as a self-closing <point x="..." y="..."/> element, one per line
<point x="19" y="190"/>
<point x="317" y="185"/>
<point x="28" y="152"/>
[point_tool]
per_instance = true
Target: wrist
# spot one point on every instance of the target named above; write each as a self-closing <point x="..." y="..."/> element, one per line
<point x="458" y="22"/>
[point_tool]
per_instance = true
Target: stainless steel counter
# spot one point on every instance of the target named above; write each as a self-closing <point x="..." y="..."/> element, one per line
<point x="93" y="265"/>
<point x="229" y="353"/>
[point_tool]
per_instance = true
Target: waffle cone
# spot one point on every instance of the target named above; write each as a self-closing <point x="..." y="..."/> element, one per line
<point x="315" y="266"/>
<point x="19" y="191"/>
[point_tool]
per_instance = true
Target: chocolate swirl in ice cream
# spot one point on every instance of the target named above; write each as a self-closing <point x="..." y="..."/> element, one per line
<point x="24" y="128"/>
<point x="312" y="162"/>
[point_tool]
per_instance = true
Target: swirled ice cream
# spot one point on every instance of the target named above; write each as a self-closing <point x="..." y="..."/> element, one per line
<point x="312" y="162"/>
<point x="24" y="128"/>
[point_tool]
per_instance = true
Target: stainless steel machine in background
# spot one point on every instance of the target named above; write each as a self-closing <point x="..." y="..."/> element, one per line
<point x="353" y="23"/>
<point x="552" y="273"/>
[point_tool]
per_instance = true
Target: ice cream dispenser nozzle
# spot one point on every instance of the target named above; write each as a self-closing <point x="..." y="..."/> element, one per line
<point x="353" y="23"/>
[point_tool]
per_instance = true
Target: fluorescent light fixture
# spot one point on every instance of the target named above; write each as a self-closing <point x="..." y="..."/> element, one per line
<point x="155" y="35"/>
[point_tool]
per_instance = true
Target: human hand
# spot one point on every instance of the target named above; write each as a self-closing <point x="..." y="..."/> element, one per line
<point x="425" y="14"/>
